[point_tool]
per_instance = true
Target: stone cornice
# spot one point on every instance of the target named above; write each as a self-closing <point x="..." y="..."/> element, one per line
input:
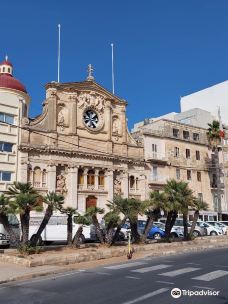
<point x="83" y="154"/>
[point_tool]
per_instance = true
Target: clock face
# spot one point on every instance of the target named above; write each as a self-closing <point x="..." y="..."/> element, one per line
<point x="91" y="119"/>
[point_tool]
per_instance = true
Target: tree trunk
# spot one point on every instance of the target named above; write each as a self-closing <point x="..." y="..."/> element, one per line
<point x="98" y="229"/>
<point x="76" y="239"/>
<point x="134" y="231"/>
<point x="173" y="220"/>
<point x="148" y="226"/>
<point x="13" y="237"/>
<point x="47" y="216"/>
<point x="219" y="188"/>
<point x="168" y="223"/>
<point x="115" y="237"/>
<point x="185" y="224"/>
<point x="69" y="229"/>
<point x="195" y="218"/>
<point x="25" y="217"/>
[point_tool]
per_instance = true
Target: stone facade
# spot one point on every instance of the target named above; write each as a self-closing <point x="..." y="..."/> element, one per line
<point x="80" y="146"/>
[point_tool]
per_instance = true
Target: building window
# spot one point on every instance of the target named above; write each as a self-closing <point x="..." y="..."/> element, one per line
<point x="44" y="178"/>
<point x="200" y="196"/>
<point x="5" y="176"/>
<point x="176" y="152"/>
<point x="6" y="118"/>
<point x="198" y="176"/>
<point x="37" y="177"/>
<point x="91" y="178"/>
<point x="154" y="148"/>
<point x="80" y="177"/>
<point x="189" y="175"/>
<point x="132" y="182"/>
<point x="6" y="147"/>
<point x="3" y="69"/>
<point x="225" y="141"/>
<point x="177" y="173"/>
<point x="186" y="135"/>
<point x="155" y="172"/>
<point x="197" y="155"/>
<point x="176" y="133"/>
<point x="196" y="136"/>
<point x="187" y="153"/>
<point x="101" y="179"/>
<point x="137" y="183"/>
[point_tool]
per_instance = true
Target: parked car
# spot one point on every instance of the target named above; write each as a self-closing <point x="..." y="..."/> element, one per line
<point x="175" y="232"/>
<point x="211" y="230"/>
<point x="4" y="237"/>
<point x="219" y="225"/>
<point x="224" y="222"/>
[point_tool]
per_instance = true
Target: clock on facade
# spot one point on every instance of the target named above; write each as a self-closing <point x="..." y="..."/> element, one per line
<point x="91" y="119"/>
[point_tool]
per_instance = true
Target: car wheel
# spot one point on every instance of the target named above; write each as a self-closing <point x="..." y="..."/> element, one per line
<point x="173" y="235"/>
<point x="157" y="236"/>
<point x="213" y="233"/>
<point x="195" y="233"/>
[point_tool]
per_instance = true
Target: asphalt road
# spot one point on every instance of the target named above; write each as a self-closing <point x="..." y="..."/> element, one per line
<point x="148" y="280"/>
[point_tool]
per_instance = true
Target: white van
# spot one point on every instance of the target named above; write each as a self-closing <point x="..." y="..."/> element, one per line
<point x="56" y="229"/>
<point x="4" y="237"/>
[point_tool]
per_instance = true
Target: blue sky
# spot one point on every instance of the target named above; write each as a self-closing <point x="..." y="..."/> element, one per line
<point x="163" y="49"/>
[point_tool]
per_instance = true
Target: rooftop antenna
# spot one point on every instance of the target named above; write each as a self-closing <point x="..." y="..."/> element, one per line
<point x="113" y="87"/>
<point x="59" y="27"/>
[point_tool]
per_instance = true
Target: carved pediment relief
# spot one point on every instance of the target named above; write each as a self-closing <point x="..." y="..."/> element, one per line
<point x="91" y="99"/>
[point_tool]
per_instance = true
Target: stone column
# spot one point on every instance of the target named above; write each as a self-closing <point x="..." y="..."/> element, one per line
<point x="96" y="179"/>
<point x="109" y="185"/>
<point x="125" y="185"/>
<point x="72" y="187"/>
<point x="51" y="178"/>
<point x="23" y="174"/>
<point x="85" y="179"/>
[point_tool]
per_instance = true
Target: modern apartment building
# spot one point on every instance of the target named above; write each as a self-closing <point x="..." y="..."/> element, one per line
<point x="14" y="102"/>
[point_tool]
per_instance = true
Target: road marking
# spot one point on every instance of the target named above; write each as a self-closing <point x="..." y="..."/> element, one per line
<point x="103" y="273"/>
<point x="175" y="273"/>
<point x="129" y="277"/>
<point x="128" y="265"/>
<point x="193" y="264"/>
<point x="164" y="282"/>
<point x="151" y="268"/>
<point x="221" y="265"/>
<point x="204" y="287"/>
<point x="211" y="275"/>
<point x="147" y="296"/>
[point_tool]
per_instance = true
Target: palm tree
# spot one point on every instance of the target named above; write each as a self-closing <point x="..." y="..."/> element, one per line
<point x="154" y="205"/>
<point x="69" y="211"/>
<point x="214" y="135"/>
<point x="24" y="198"/>
<point x="198" y="205"/>
<point x="112" y="220"/>
<point x="53" y="201"/>
<point x="6" y="209"/>
<point x="92" y="212"/>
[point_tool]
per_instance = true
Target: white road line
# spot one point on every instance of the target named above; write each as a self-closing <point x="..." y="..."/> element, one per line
<point x="211" y="275"/>
<point x="103" y="273"/>
<point x="193" y="264"/>
<point x="147" y="296"/>
<point x="204" y="287"/>
<point x="151" y="268"/>
<point x="164" y="282"/>
<point x="129" y="277"/>
<point x="128" y="265"/>
<point x="175" y="273"/>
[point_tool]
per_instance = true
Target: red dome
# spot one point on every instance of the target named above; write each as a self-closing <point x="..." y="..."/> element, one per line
<point x="8" y="81"/>
<point x="6" y="62"/>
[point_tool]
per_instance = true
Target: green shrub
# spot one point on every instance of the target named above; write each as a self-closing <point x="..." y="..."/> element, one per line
<point x="28" y="249"/>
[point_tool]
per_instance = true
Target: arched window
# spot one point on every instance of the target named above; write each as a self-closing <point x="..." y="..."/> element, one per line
<point x="37" y="177"/>
<point x="101" y="179"/>
<point x="91" y="178"/>
<point x="8" y="70"/>
<point x="80" y="177"/>
<point x="44" y="178"/>
<point x="132" y="182"/>
<point x="3" y="69"/>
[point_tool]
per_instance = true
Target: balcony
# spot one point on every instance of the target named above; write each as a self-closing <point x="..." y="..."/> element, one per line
<point x="157" y="179"/>
<point x="156" y="157"/>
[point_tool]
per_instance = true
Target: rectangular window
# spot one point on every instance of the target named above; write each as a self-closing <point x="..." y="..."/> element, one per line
<point x="5" y="176"/>
<point x="5" y="147"/>
<point x="196" y="136"/>
<point x="176" y="133"/>
<point x="189" y="175"/>
<point x="176" y="152"/>
<point x="154" y="148"/>
<point x="155" y="172"/>
<point x="177" y="173"/>
<point x="197" y="155"/>
<point x="6" y="118"/>
<point x="186" y="135"/>
<point x="198" y="176"/>
<point x="187" y="153"/>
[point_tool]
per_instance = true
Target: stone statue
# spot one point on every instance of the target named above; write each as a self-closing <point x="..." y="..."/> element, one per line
<point x="117" y="185"/>
<point x="61" y="183"/>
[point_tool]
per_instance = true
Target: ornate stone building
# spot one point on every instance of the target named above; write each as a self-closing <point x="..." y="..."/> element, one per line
<point x="80" y="146"/>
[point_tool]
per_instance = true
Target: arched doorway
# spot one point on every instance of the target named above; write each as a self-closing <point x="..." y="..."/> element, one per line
<point x="91" y="201"/>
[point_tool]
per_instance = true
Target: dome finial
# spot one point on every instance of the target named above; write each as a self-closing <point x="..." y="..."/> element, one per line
<point x="6" y="57"/>
<point x="90" y="73"/>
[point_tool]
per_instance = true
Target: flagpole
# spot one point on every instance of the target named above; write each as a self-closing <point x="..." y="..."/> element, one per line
<point x="113" y="88"/>
<point x="59" y="26"/>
